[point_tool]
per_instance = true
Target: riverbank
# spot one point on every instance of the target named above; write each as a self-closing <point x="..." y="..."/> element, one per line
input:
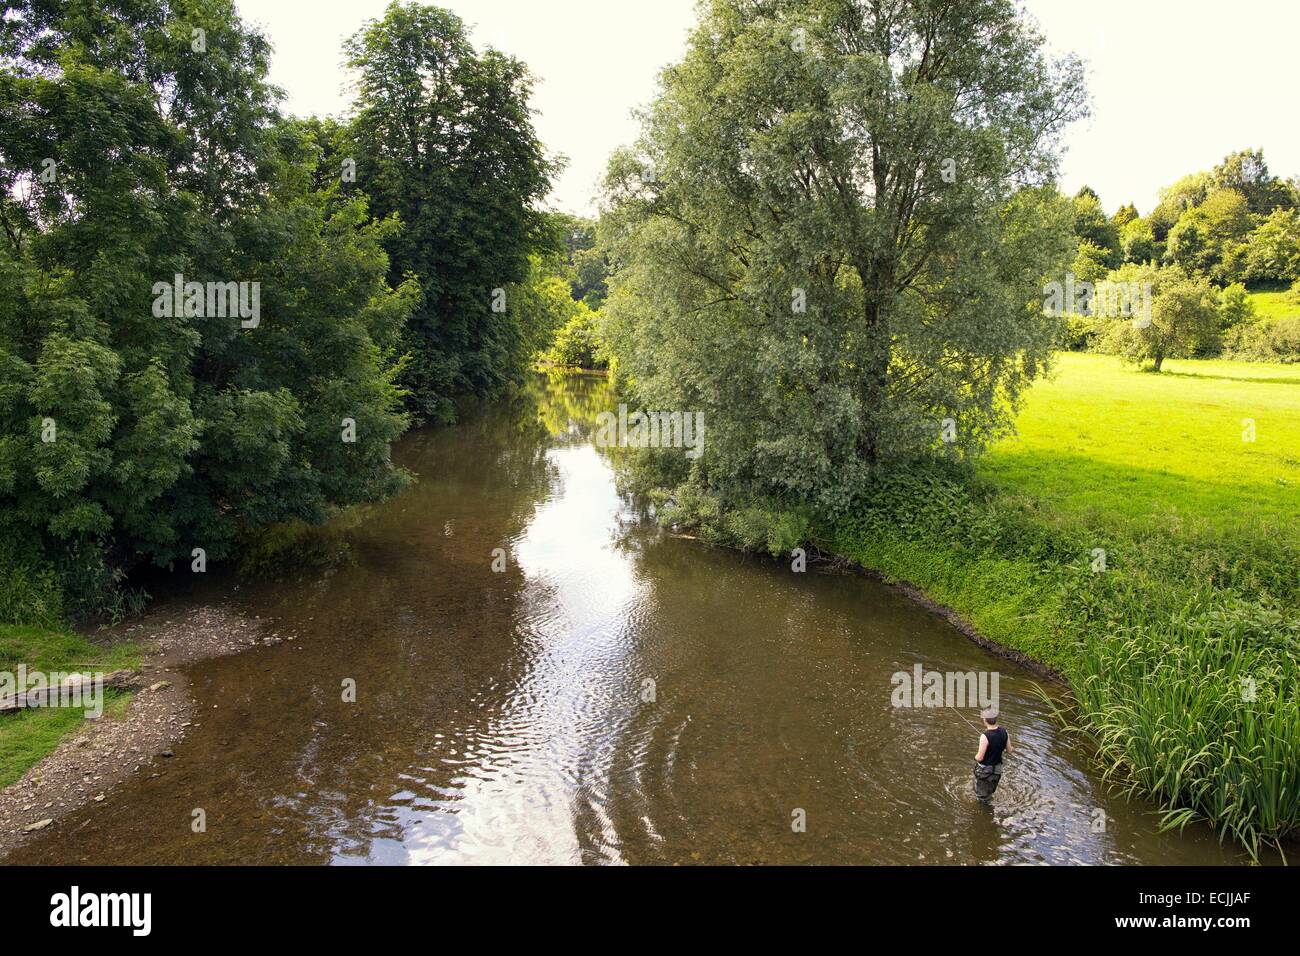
<point x="57" y="760"/>
<point x="1176" y="639"/>
<point x="1181" y="659"/>
<point x="611" y="695"/>
<point x="1149" y="559"/>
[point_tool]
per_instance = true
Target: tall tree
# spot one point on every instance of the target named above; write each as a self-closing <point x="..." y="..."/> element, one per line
<point x="829" y="238"/>
<point x="1092" y="226"/>
<point x="443" y="138"/>
<point x="1247" y="172"/>
<point x="1124" y="215"/>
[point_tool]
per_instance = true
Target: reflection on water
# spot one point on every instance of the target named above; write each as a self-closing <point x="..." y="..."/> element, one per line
<point x="612" y="695"/>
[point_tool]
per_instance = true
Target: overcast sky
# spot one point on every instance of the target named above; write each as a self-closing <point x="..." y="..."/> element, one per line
<point x="1176" y="84"/>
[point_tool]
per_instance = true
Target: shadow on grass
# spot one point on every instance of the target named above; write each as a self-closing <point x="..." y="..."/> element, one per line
<point x="1235" y="378"/>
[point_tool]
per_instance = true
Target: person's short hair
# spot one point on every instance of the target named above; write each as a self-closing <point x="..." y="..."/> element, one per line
<point x="990" y="714"/>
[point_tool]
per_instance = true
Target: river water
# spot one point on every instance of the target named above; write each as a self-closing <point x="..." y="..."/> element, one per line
<point x="615" y="694"/>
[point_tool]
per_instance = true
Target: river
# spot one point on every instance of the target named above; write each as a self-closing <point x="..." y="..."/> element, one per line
<point x="611" y="694"/>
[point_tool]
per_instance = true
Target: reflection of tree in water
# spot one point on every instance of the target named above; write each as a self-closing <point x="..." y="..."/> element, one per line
<point x="287" y="770"/>
<point x="568" y="403"/>
<point x="490" y="472"/>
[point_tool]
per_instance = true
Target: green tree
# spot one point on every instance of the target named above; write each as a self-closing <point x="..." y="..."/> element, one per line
<point x="1175" y="200"/>
<point x="1246" y="172"/>
<point x="543" y="302"/>
<point x="1273" y="250"/>
<point x="1092" y="226"/>
<point x="1138" y="243"/>
<point x="1183" y="321"/>
<point x="1207" y="238"/>
<point x="1235" y="307"/>
<point x="579" y="343"/>
<point x="586" y="264"/>
<point x="443" y="137"/>
<point x="134" y="427"/>
<point x="1091" y="262"/>
<point x="1124" y="215"/>
<point x="828" y="241"/>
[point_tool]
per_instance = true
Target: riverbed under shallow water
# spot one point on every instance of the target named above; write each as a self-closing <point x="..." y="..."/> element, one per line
<point x="615" y="695"/>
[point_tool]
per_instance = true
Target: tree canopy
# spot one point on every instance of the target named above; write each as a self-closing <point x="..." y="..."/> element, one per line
<point x="142" y="155"/>
<point x="442" y="137"/>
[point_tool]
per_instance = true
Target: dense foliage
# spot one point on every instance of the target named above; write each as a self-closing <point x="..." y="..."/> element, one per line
<point x="1234" y="228"/>
<point x="832" y="236"/>
<point x="442" y="137"/>
<point x="795" y="158"/>
<point x="143" y="417"/>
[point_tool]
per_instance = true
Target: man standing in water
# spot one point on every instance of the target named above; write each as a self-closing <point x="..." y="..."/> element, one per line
<point x="994" y="742"/>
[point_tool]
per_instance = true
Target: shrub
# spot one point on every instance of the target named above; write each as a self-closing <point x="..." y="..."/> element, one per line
<point x="1081" y="332"/>
<point x="30" y="595"/>
<point x="1276" y="341"/>
<point x="578" y="343"/>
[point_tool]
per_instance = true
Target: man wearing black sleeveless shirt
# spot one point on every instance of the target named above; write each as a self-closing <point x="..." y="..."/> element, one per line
<point x="994" y="742"/>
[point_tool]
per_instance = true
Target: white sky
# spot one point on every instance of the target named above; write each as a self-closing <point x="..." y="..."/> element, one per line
<point x="1176" y="84"/>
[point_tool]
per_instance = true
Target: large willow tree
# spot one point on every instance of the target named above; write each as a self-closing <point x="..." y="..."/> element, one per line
<point x="834" y="231"/>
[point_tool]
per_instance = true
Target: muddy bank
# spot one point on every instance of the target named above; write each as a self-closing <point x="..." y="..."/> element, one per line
<point x="918" y="596"/>
<point x="102" y="753"/>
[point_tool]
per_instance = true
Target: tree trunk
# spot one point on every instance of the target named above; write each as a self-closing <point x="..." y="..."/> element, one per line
<point x="876" y="363"/>
<point x="50" y="696"/>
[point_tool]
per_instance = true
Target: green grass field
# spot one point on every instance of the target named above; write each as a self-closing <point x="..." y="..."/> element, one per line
<point x="28" y="736"/>
<point x="1102" y="439"/>
<point x="1271" y="306"/>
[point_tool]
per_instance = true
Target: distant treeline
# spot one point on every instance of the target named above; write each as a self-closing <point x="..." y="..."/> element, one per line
<point x="1213" y="237"/>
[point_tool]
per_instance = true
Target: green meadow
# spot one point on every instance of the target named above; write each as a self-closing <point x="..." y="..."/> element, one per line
<point x="1103" y="439"/>
<point x="1271" y="306"/>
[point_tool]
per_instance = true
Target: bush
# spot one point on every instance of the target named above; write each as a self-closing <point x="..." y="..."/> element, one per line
<point x="765" y="527"/>
<point x="578" y="343"/>
<point x="1276" y="341"/>
<point x="1081" y="332"/>
<point x="30" y="595"/>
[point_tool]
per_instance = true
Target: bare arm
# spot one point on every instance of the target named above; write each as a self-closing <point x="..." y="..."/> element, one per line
<point x="984" y="746"/>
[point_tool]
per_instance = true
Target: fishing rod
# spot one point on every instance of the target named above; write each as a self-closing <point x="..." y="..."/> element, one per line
<point x="959" y="714"/>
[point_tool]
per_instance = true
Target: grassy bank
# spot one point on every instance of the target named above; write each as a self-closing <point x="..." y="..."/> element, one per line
<point x="1274" y="305"/>
<point x="1129" y="538"/>
<point x="28" y="736"/>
